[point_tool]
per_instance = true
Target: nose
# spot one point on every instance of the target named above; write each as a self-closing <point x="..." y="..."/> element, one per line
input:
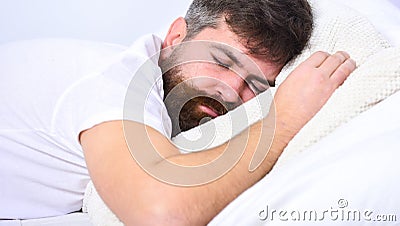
<point x="234" y="89"/>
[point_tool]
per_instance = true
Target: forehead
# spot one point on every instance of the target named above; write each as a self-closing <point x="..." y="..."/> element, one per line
<point x="221" y="34"/>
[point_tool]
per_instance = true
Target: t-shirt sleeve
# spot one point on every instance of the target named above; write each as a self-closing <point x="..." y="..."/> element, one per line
<point x="128" y="89"/>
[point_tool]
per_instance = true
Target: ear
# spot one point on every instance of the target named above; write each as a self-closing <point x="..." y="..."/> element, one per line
<point x="176" y="33"/>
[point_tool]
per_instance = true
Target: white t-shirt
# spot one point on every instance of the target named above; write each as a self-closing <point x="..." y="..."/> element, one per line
<point x="49" y="93"/>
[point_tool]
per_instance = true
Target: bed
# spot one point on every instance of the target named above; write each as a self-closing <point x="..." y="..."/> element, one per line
<point x="349" y="166"/>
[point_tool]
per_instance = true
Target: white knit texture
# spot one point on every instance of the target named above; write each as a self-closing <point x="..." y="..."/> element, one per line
<point x="336" y="28"/>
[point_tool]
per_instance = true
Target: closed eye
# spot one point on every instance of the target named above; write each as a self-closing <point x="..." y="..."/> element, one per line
<point x="257" y="84"/>
<point x="220" y="63"/>
<point x="256" y="90"/>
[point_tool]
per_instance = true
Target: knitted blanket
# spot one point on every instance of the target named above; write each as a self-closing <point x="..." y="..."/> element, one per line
<point x="336" y="28"/>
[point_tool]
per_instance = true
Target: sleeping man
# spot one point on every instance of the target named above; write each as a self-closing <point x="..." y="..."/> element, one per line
<point x="116" y="125"/>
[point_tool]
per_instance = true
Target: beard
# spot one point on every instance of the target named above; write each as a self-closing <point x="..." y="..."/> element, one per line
<point x="184" y="102"/>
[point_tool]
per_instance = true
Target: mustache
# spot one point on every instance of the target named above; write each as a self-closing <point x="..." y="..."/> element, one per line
<point x="179" y="105"/>
<point x="191" y="114"/>
<point x="214" y="102"/>
<point x="189" y="97"/>
<point x="185" y="113"/>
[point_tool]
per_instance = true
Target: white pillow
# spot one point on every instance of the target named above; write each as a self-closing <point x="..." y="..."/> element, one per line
<point x="373" y="81"/>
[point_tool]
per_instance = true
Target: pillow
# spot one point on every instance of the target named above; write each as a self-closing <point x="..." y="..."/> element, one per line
<point x="341" y="28"/>
<point x="373" y="81"/>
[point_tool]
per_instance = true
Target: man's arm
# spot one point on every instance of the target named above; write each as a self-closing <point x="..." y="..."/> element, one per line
<point x="138" y="198"/>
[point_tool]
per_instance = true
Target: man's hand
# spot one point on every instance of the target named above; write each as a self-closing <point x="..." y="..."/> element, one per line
<point x="309" y="87"/>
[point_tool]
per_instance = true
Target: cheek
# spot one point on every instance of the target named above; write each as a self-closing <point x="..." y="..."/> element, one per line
<point x="201" y="75"/>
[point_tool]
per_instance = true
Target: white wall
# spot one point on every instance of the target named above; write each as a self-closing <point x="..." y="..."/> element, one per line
<point x="384" y="15"/>
<point x="118" y="21"/>
<point x="396" y="3"/>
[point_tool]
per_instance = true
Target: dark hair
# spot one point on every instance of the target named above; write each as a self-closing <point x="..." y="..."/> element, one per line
<point x="277" y="29"/>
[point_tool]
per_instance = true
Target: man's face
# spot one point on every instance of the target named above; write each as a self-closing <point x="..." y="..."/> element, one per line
<point x="214" y="74"/>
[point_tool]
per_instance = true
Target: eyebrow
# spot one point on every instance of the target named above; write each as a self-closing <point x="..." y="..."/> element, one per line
<point x="232" y="56"/>
<point x="229" y="54"/>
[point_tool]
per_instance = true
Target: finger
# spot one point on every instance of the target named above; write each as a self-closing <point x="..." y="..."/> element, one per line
<point x="333" y="62"/>
<point x="316" y="59"/>
<point x="343" y="71"/>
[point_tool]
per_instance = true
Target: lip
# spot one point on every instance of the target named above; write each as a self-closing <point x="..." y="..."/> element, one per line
<point x="209" y="111"/>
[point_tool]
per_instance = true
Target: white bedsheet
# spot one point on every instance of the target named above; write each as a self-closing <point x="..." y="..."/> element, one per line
<point x="74" y="219"/>
<point x="356" y="168"/>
